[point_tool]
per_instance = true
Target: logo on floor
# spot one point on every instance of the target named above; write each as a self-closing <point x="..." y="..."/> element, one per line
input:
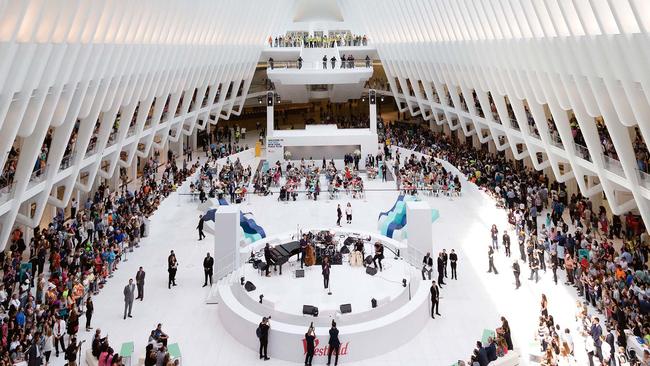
<point x="322" y="351"/>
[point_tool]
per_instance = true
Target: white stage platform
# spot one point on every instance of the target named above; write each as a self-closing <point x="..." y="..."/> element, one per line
<point x="349" y="285"/>
<point x="365" y="332"/>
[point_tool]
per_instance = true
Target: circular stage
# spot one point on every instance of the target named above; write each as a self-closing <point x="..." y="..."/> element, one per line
<point x="364" y="331"/>
<point x="348" y="285"/>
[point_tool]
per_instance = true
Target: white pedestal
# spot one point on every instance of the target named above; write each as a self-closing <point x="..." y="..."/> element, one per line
<point x="226" y="240"/>
<point x="418" y="226"/>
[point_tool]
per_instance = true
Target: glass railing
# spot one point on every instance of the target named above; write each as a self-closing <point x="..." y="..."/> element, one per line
<point x="613" y="166"/>
<point x="112" y="138"/>
<point x="582" y="152"/>
<point x="320" y="65"/>
<point x="7" y="185"/>
<point x="556" y="140"/>
<point x="131" y="130"/>
<point x="644" y="178"/>
<point x="66" y="161"/>
<point x="514" y="124"/>
<point x="92" y="145"/>
<point x="38" y="175"/>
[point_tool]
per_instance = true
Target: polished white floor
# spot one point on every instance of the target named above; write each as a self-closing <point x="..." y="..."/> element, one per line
<point x="474" y="302"/>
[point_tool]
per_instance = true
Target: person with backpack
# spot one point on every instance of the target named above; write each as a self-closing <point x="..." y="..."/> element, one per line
<point x="263" y="335"/>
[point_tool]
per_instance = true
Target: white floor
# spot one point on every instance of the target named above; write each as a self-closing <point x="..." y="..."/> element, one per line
<point x="474" y="302"/>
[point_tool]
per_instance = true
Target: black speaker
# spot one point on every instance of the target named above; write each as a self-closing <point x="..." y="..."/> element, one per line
<point x="300" y="273"/>
<point x="371" y="270"/>
<point x="346" y="308"/>
<point x="249" y="286"/>
<point x="309" y="310"/>
<point x="368" y="260"/>
<point x="373" y="303"/>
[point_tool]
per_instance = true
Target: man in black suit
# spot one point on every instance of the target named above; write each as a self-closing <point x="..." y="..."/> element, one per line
<point x="427" y="265"/>
<point x="445" y="259"/>
<point x="208" y="265"/>
<point x="303" y="250"/>
<point x="334" y="344"/>
<point x="199" y="227"/>
<point x="326" y="272"/>
<point x="139" y="281"/>
<point x="441" y="269"/>
<point x="435" y="298"/>
<point x="263" y="335"/>
<point x="267" y="258"/>
<point x="453" y="258"/>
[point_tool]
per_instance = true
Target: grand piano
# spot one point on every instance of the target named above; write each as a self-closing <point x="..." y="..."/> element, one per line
<point x="280" y="254"/>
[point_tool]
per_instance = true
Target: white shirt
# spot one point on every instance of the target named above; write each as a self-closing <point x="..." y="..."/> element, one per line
<point x="59" y="328"/>
<point x="348" y="210"/>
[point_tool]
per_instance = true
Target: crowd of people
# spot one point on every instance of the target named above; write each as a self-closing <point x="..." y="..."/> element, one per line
<point x="44" y="299"/>
<point x="318" y="41"/>
<point x="231" y="179"/>
<point x="603" y="256"/>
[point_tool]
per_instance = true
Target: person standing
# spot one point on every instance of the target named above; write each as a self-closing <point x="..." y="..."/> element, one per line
<point x="263" y="335"/>
<point x="441" y="271"/>
<point x="427" y="266"/>
<point x="379" y="255"/>
<point x="326" y="272"/>
<point x="208" y="266"/>
<point x="506" y="242"/>
<point x="453" y="258"/>
<point x="534" y="268"/>
<point x="339" y="214"/>
<point x="348" y="213"/>
<point x="59" y="333"/>
<point x="522" y="245"/>
<point x="494" y="233"/>
<point x="90" y="308"/>
<point x="516" y="270"/>
<point x="139" y="281"/>
<point x="491" y="261"/>
<point x="268" y="259"/>
<point x="595" y="332"/>
<point x="172" y="267"/>
<point x="129" y="292"/>
<point x="310" y="345"/>
<point x="333" y="61"/>
<point x="325" y="62"/>
<point x="445" y="259"/>
<point x="334" y="344"/>
<point x="435" y="299"/>
<point x="199" y="227"/>
<point x="303" y="250"/>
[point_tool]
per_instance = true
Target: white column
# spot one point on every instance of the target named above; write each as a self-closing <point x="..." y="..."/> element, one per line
<point x="373" y="111"/>
<point x="270" y="102"/>
<point x="418" y="222"/>
<point x="226" y="240"/>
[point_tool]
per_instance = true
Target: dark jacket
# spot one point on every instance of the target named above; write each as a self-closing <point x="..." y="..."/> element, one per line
<point x="334" y="338"/>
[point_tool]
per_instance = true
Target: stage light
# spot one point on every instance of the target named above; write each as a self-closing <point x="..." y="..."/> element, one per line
<point x="403" y="282"/>
<point x="382" y="98"/>
<point x="363" y="99"/>
<point x="259" y="100"/>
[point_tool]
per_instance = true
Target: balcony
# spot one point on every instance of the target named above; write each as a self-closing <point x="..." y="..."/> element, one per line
<point x="644" y="179"/>
<point x="7" y="186"/>
<point x="583" y="152"/>
<point x="613" y="166"/>
<point x="67" y="161"/>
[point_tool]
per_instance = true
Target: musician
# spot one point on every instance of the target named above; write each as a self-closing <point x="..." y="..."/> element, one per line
<point x="427" y="265"/>
<point x="359" y="247"/>
<point x="379" y="255"/>
<point x="303" y="250"/>
<point x="326" y="272"/>
<point x="268" y="259"/>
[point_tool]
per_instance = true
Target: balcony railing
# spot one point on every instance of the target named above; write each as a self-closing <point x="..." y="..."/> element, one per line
<point x="556" y="140"/>
<point x="613" y="166"/>
<point x="514" y="124"/>
<point x="318" y="65"/>
<point x="583" y="152"/>
<point x="644" y="178"/>
<point x="66" y="161"/>
<point x="38" y="175"/>
<point x="7" y="185"/>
